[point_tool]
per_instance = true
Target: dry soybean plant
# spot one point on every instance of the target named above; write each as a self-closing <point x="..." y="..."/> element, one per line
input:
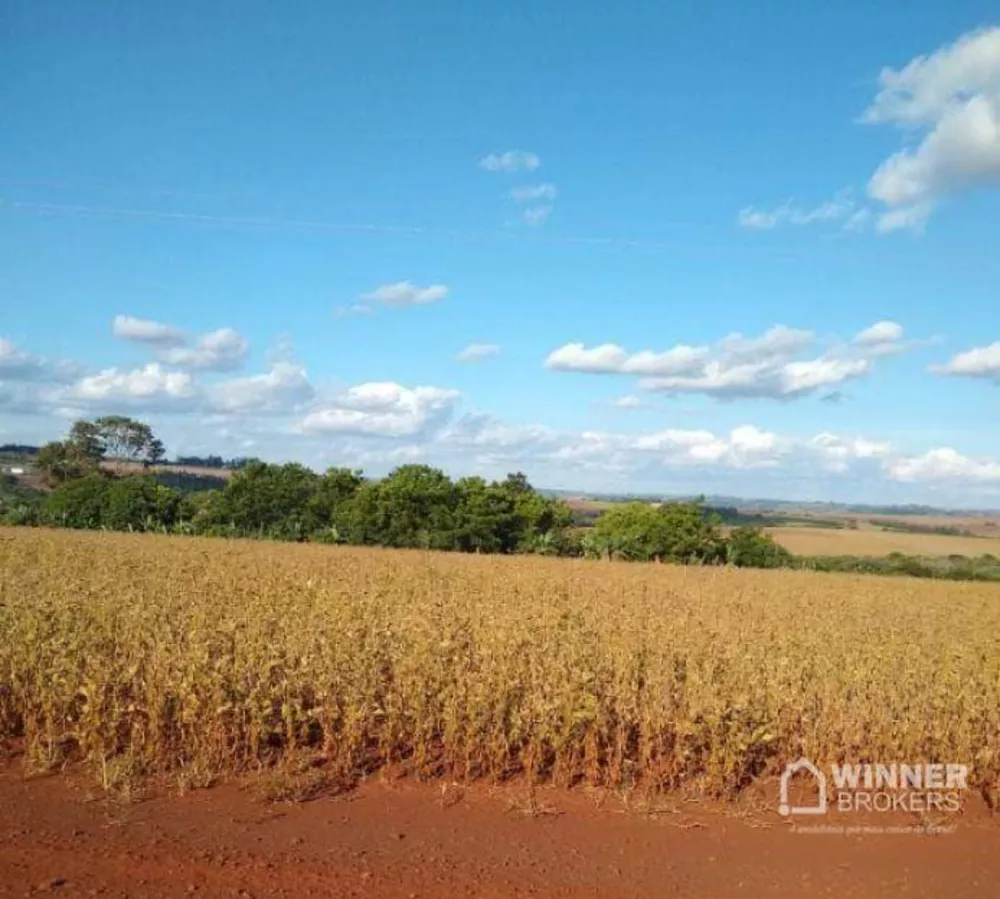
<point x="195" y="659"/>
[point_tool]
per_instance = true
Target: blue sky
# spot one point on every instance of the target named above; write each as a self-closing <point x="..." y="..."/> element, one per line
<point x="707" y="247"/>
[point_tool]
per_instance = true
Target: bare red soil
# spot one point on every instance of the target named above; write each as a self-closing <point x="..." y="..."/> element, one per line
<point x="404" y="840"/>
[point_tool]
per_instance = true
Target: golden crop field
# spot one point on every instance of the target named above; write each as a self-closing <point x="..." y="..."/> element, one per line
<point x="194" y="658"/>
<point x="808" y="541"/>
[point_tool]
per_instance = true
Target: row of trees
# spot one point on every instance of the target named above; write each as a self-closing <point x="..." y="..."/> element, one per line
<point x="214" y="462"/>
<point x="414" y="506"/>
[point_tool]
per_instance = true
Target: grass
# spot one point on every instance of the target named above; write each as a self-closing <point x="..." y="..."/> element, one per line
<point x="195" y="659"/>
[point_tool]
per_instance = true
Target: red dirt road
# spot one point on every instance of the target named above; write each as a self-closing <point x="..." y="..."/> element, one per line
<point x="398" y="841"/>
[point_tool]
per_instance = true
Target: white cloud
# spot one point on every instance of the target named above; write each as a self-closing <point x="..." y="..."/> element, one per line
<point x="763" y="379"/>
<point x="382" y="409"/>
<point x="144" y="330"/>
<point x="858" y="220"/>
<point x="980" y="362"/>
<point x="405" y="293"/>
<point x="17" y="364"/>
<point x="280" y="391"/>
<point x="879" y="333"/>
<point x="912" y="218"/>
<point x="745" y="447"/>
<point x="480" y="431"/>
<point x="952" y="99"/>
<point x="610" y="358"/>
<point x="942" y="465"/>
<point x="777" y="342"/>
<point x="221" y="350"/>
<point x="532" y="192"/>
<point x="884" y="338"/>
<point x="735" y="367"/>
<point x="510" y="161"/>
<point x="839" y="453"/>
<point x="627" y="402"/>
<point x="840" y="207"/>
<point x="477" y="352"/>
<point x="149" y="387"/>
<point x="805" y="377"/>
<point x="536" y="215"/>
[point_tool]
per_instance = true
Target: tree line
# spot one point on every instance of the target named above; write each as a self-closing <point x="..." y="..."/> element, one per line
<point x="413" y="506"/>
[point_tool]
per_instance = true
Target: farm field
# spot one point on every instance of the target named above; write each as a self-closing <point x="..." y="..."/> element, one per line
<point x="810" y="541"/>
<point x="191" y="658"/>
<point x="434" y="705"/>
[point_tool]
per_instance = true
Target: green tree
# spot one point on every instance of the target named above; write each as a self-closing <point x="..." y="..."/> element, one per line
<point x="85" y="436"/>
<point x="415" y="507"/>
<point x="357" y="519"/>
<point x="748" y="547"/>
<point x="265" y="500"/>
<point x="634" y="531"/>
<point x="140" y="504"/>
<point x="692" y="535"/>
<point x="63" y="460"/>
<point x="485" y="518"/>
<point x="78" y="503"/>
<point x="327" y="508"/>
<point x="539" y="521"/>
<point x="673" y="532"/>
<point x="157" y="452"/>
<point x="124" y="439"/>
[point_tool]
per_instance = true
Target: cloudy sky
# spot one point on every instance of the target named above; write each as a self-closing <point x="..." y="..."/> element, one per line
<point x="718" y="247"/>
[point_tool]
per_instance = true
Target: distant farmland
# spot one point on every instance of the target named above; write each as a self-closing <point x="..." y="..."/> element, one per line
<point x="874" y="542"/>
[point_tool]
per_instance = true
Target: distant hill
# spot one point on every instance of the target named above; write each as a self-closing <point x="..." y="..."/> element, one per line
<point x="750" y="505"/>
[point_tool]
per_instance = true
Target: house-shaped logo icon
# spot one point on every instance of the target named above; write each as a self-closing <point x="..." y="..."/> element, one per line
<point x="790" y="771"/>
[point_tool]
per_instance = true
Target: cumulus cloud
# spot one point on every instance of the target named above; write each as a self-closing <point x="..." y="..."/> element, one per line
<point x="19" y="365"/>
<point x="477" y="352"/>
<point x="144" y="330"/>
<point x="980" y="362"/>
<point x="779" y="342"/>
<point x="405" y="293"/>
<point x="382" y="409"/>
<point x="737" y="366"/>
<point x="763" y="379"/>
<point x="881" y="339"/>
<point x="485" y="433"/>
<point x="221" y="350"/>
<point x="510" y="161"/>
<point x="281" y="390"/>
<point x="942" y="465"/>
<point x="839" y="453"/>
<point x="839" y="208"/>
<point x="608" y="358"/>
<point x="950" y="99"/>
<point x="880" y="333"/>
<point x="744" y="447"/>
<point x="627" y="402"/>
<point x="149" y="387"/>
